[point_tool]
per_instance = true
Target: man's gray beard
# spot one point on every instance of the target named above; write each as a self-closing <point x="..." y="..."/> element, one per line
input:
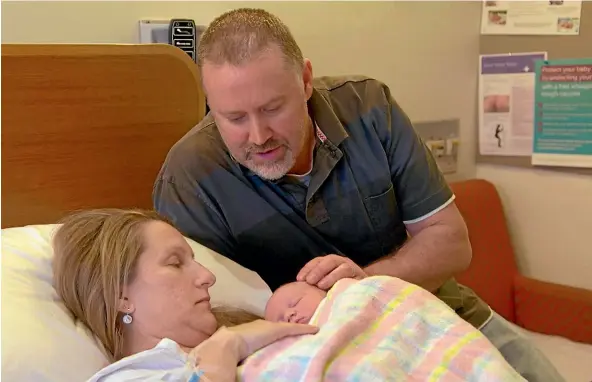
<point x="276" y="170"/>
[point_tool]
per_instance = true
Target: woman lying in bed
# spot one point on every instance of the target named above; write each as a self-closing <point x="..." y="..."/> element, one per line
<point x="131" y="278"/>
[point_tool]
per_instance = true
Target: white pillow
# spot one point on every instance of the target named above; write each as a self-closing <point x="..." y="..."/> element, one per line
<point x="40" y="342"/>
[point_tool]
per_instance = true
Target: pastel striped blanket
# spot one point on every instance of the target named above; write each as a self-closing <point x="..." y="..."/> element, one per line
<point x="381" y="329"/>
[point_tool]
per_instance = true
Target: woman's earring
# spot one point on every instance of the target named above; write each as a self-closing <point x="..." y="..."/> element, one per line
<point x="127" y="319"/>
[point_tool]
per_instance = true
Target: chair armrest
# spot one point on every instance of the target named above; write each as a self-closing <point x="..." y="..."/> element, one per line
<point x="553" y="309"/>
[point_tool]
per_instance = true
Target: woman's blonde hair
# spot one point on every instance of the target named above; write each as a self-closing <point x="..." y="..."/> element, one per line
<point x="95" y="255"/>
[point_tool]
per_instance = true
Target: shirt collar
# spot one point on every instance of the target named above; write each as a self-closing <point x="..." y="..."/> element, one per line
<point x="325" y="118"/>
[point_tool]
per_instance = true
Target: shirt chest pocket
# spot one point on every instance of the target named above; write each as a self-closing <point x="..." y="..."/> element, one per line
<point x="383" y="213"/>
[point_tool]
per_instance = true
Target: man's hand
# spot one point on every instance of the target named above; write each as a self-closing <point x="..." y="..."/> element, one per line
<point x="324" y="271"/>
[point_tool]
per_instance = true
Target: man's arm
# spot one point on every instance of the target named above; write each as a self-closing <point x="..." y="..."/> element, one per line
<point x="439" y="246"/>
<point x="438" y="249"/>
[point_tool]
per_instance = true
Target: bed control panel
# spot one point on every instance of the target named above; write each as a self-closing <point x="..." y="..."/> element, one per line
<point x="183" y="35"/>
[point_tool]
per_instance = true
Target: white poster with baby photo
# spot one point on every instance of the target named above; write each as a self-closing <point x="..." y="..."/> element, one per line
<point x="527" y="17"/>
<point x="506" y="103"/>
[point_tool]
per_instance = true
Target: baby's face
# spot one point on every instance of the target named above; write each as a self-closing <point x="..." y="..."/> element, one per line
<point x="294" y="302"/>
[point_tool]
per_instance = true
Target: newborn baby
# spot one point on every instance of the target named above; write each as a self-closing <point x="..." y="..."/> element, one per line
<point x="294" y="302"/>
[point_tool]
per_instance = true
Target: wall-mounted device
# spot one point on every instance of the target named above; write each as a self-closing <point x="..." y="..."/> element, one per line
<point x="183" y="35"/>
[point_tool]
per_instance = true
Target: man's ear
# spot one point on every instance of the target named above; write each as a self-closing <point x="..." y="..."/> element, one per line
<point x="307" y="78"/>
<point x="125" y="306"/>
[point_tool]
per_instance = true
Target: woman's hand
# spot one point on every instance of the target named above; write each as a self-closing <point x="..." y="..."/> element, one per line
<point x="260" y="333"/>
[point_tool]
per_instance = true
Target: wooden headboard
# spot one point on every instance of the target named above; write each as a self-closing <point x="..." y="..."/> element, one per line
<point x="88" y="126"/>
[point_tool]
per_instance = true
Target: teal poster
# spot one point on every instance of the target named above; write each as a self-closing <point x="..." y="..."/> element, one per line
<point x="563" y="113"/>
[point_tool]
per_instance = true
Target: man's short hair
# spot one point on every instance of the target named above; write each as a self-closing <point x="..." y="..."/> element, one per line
<point x="238" y="36"/>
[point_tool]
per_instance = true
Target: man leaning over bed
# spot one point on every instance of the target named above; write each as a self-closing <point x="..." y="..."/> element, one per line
<point x="318" y="179"/>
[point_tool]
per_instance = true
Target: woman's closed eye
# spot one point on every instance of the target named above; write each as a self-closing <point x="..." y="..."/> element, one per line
<point x="175" y="262"/>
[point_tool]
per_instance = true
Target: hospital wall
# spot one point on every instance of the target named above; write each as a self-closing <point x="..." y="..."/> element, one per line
<point x="425" y="51"/>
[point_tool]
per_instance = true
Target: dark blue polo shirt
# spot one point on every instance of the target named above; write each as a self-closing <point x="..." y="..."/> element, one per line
<point x="371" y="175"/>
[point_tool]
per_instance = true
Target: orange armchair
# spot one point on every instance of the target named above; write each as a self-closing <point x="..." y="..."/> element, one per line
<point x="537" y="306"/>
